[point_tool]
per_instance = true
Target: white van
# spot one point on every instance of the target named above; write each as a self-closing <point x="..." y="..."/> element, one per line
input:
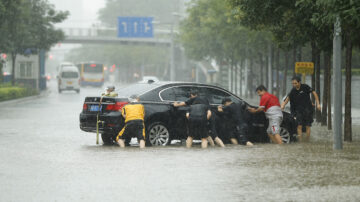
<point x="68" y="79"/>
<point x="64" y="64"/>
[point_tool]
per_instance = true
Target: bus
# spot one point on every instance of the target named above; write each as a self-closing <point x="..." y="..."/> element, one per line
<point x="91" y="74"/>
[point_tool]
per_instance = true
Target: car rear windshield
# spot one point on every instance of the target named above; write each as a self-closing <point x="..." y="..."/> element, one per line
<point x="135" y="89"/>
<point x="93" y="68"/>
<point x="69" y="75"/>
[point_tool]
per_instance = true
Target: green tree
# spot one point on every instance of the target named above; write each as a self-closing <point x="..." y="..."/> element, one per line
<point x="348" y="11"/>
<point x="28" y="25"/>
<point x="211" y="32"/>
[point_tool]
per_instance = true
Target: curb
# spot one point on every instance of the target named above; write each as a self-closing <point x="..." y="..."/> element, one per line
<point x="14" y="101"/>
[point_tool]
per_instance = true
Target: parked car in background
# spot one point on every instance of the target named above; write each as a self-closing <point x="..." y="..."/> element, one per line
<point x="68" y="78"/>
<point x="163" y="122"/>
<point x="149" y="79"/>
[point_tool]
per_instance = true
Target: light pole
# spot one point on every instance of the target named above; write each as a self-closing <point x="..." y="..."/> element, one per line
<point x="172" y="56"/>
<point x="337" y="86"/>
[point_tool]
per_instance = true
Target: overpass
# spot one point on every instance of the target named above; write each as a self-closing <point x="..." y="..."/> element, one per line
<point x="108" y="36"/>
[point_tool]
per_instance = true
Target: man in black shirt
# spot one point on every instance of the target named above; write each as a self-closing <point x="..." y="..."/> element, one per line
<point x="236" y="125"/>
<point x="198" y="116"/>
<point x="301" y="105"/>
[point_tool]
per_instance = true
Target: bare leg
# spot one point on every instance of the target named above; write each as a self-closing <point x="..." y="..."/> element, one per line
<point x="189" y="141"/>
<point x="219" y="142"/>
<point x="272" y="138"/>
<point x="234" y="141"/>
<point x="308" y="132"/>
<point x="248" y="143"/>
<point x="211" y="141"/>
<point x="278" y="139"/>
<point x="299" y="132"/>
<point x="142" y="144"/>
<point x="121" y="143"/>
<point x="204" y="143"/>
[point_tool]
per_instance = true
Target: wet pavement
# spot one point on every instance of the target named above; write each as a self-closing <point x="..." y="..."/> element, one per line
<point x="44" y="156"/>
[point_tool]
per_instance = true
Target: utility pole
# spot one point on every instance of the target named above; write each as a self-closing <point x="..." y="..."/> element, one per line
<point x="337" y="86"/>
<point x="270" y="69"/>
<point x="172" y="57"/>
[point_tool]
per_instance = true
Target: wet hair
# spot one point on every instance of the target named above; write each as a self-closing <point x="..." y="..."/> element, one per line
<point x="296" y="78"/>
<point x="134" y="98"/>
<point x="225" y="100"/>
<point x="194" y="92"/>
<point x="261" y="88"/>
<point x="110" y="88"/>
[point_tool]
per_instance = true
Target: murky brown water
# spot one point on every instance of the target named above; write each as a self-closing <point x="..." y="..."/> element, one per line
<point x="45" y="157"/>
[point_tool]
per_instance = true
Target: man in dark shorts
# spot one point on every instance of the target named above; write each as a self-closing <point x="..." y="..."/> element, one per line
<point x="198" y="116"/>
<point x="134" y="114"/>
<point x="236" y="124"/>
<point x="213" y="135"/>
<point x="301" y="106"/>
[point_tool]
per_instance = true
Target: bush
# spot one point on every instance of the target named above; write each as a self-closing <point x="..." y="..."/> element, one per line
<point x="14" y="92"/>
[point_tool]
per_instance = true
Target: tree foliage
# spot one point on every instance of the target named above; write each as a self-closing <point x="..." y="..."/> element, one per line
<point x="210" y="31"/>
<point x="28" y="25"/>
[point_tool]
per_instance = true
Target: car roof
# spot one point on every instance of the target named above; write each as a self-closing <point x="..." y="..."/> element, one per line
<point x="69" y="69"/>
<point x="66" y="64"/>
<point x="154" y="85"/>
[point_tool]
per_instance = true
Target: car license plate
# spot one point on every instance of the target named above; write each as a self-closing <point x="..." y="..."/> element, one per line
<point x="95" y="108"/>
<point x="69" y="82"/>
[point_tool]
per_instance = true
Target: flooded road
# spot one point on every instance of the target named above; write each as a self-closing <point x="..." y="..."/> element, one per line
<point x="45" y="157"/>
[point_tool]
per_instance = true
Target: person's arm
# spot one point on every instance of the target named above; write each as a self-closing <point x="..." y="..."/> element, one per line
<point x="208" y="114"/>
<point x="317" y="100"/>
<point x="220" y="108"/>
<point x="182" y="104"/>
<point x="261" y="108"/>
<point x="123" y="113"/>
<point x="256" y="110"/>
<point x="285" y="103"/>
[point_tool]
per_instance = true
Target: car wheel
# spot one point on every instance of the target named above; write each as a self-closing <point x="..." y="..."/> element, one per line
<point x="78" y="91"/>
<point x="107" y="139"/>
<point x="158" y="134"/>
<point x="285" y="135"/>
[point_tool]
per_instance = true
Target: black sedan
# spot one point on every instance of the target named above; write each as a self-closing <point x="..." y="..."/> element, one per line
<point x="164" y="122"/>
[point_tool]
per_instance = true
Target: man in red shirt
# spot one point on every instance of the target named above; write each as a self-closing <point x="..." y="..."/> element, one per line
<point x="271" y="106"/>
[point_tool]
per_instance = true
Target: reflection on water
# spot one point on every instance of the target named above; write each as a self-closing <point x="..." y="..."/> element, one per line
<point x="295" y="172"/>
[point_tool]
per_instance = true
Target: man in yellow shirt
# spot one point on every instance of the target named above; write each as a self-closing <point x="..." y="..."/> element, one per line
<point x="133" y="114"/>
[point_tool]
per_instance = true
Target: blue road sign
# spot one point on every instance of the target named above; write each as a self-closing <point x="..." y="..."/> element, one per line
<point x="135" y="27"/>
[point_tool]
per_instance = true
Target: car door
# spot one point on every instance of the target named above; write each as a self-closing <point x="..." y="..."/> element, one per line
<point x="218" y="120"/>
<point x="179" y="121"/>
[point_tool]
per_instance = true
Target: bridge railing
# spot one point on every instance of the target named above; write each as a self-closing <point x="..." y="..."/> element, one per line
<point x="86" y="32"/>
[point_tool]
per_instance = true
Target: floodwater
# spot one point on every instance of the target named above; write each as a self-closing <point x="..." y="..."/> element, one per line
<point x="45" y="157"/>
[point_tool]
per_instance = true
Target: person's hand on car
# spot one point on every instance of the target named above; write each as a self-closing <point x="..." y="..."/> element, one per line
<point x="251" y="110"/>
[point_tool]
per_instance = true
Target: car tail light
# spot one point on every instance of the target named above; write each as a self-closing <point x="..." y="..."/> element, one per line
<point x="116" y="107"/>
<point x="85" y="107"/>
